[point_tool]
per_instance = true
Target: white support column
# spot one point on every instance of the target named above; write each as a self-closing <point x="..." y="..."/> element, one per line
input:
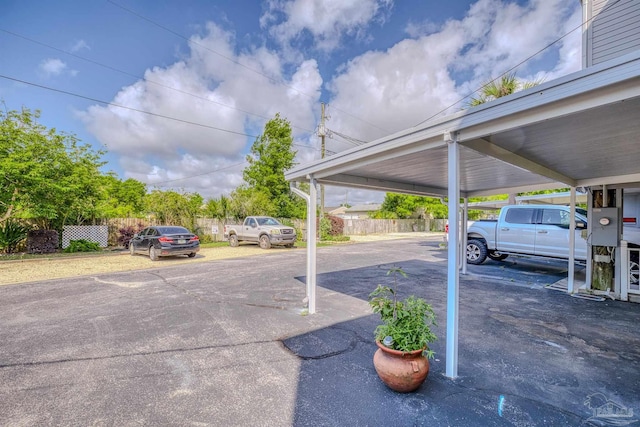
<point x="463" y="240"/>
<point x="453" y="273"/>
<point x="311" y="254"/>
<point x="311" y="244"/>
<point x="572" y="242"/>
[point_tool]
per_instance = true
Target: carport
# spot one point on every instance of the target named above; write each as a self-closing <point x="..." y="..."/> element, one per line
<point x="578" y="131"/>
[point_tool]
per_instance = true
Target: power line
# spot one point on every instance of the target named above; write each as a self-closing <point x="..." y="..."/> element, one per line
<point x="141" y="77"/>
<point x="517" y="65"/>
<point x="126" y="108"/>
<point x="218" y="170"/>
<point x="138" y="110"/>
<point x="348" y="138"/>
<point x="200" y="174"/>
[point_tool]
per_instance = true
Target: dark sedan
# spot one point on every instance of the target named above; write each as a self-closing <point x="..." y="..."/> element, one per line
<point x="164" y="240"/>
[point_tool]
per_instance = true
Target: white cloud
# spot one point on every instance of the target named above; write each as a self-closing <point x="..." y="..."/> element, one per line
<point x="417" y="78"/>
<point x="326" y="21"/>
<point x="80" y="45"/>
<point x="373" y="94"/>
<point x="227" y="87"/>
<point x="52" y="67"/>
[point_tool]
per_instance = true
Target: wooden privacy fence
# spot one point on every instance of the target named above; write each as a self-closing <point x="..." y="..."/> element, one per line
<point x="215" y="228"/>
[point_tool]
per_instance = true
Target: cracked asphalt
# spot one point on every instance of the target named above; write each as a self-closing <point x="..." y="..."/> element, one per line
<point x="227" y="342"/>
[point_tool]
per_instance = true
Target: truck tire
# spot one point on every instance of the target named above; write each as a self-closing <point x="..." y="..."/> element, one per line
<point x="233" y="241"/>
<point x="476" y="251"/>
<point x="497" y="256"/>
<point x="264" y="241"/>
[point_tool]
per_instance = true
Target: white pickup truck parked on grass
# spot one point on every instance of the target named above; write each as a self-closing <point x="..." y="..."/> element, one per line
<point x="263" y="230"/>
<point x="535" y="230"/>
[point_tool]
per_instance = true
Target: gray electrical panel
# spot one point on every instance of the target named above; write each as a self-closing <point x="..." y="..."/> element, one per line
<point x="605" y="227"/>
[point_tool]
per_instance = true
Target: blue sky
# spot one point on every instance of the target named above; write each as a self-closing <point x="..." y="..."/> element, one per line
<point x="210" y="73"/>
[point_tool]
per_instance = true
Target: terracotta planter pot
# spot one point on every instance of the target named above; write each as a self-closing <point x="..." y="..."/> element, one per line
<point x="402" y="372"/>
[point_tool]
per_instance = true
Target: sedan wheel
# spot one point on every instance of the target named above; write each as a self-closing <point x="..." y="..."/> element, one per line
<point x="265" y="243"/>
<point x="191" y="255"/>
<point x="153" y="254"/>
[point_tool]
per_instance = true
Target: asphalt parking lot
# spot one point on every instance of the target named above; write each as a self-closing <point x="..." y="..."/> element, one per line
<point x="227" y="343"/>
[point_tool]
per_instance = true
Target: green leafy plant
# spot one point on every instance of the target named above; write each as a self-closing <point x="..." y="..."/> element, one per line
<point x="11" y="234"/>
<point x="82" y="245"/>
<point x="408" y="322"/>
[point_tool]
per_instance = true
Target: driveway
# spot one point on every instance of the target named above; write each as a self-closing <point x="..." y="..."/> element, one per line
<point x="227" y="343"/>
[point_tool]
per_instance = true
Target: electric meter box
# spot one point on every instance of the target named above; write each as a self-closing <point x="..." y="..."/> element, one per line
<point x="604" y="227"/>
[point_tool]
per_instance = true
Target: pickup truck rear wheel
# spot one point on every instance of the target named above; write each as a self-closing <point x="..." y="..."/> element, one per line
<point x="233" y="241"/>
<point x="476" y="251"/>
<point x="265" y="243"/>
<point x="497" y="256"/>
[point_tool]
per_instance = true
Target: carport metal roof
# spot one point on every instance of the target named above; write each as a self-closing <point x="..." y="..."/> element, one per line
<point x="580" y="130"/>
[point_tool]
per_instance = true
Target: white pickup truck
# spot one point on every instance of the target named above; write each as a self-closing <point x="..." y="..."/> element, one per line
<point x="534" y="230"/>
<point x="263" y="230"/>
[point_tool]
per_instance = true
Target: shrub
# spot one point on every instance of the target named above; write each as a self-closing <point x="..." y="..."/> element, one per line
<point x="205" y="238"/>
<point x="82" y="245"/>
<point x="332" y="228"/>
<point x="125" y="234"/>
<point x="42" y="241"/>
<point x="11" y="234"/>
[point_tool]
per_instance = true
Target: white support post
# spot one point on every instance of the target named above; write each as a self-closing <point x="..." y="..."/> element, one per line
<point x="453" y="273"/>
<point x="572" y="242"/>
<point x="463" y="240"/>
<point x="311" y="252"/>
<point x="311" y="244"/>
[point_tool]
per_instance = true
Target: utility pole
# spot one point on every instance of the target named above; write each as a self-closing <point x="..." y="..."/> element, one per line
<point x="322" y="132"/>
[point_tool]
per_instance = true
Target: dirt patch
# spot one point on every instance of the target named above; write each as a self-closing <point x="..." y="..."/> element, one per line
<point x="32" y="270"/>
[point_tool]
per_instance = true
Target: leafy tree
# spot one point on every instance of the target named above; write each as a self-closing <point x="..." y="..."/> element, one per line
<point x="217" y="208"/>
<point x="271" y="155"/>
<point x="495" y="89"/>
<point x="247" y="201"/>
<point x="170" y="207"/>
<point x="407" y="206"/>
<point x="121" y="199"/>
<point x="45" y="176"/>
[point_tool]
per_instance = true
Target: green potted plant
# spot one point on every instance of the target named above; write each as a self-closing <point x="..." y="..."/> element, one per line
<point x="403" y="338"/>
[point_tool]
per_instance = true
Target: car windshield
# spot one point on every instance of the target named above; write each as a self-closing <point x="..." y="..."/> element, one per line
<point x="173" y="230"/>
<point x="267" y="221"/>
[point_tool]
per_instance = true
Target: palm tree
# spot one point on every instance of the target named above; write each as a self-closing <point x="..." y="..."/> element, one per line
<point x="495" y="89"/>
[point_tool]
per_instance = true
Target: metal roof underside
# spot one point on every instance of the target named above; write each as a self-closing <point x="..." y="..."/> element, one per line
<point x="580" y="130"/>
